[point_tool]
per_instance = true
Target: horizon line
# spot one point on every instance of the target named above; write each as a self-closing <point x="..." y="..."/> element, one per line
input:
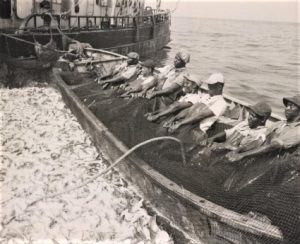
<point x="236" y="19"/>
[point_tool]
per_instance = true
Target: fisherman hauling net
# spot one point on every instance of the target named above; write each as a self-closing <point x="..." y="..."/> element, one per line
<point x="269" y="180"/>
<point x="47" y="54"/>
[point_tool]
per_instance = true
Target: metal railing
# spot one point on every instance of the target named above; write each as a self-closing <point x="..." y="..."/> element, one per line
<point x="82" y="22"/>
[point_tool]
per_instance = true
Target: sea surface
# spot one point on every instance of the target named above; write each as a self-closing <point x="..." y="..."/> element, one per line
<point x="260" y="60"/>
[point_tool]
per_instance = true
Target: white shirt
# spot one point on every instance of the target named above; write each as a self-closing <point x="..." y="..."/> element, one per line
<point x="195" y="98"/>
<point x="172" y="75"/>
<point x="129" y="71"/>
<point x="218" y="106"/>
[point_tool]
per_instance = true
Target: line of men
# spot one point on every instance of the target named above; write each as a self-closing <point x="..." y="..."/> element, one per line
<point x="185" y="100"/>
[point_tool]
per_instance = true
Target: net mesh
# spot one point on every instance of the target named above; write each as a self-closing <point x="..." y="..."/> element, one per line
<point x="268" y="185"/>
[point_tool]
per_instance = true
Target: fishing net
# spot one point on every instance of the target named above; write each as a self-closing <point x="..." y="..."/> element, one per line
<point x="267" y="185"/>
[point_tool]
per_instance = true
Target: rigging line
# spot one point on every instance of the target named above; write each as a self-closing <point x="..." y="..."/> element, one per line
<point x="57" y="27"/>
<point x="176" y="6"/>
<point x="70" y="9"/>
<point x="28" y="42"/>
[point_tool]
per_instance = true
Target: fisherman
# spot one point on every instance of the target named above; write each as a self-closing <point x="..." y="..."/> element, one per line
<point x="77" y="48"/>
<point x="283" y="135"/>
<point x="246" y="135"/>
<point x="205" y="114"/>
<point x="145" y="81"/>
<point x="122" y="73"/>
<point x="194" y="93"/>
<point x="171" y="78"/>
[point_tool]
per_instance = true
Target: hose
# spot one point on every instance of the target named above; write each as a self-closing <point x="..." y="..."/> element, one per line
<point x="115" y="164"/>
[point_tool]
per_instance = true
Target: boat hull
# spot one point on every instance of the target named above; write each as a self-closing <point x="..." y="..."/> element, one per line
<point x="190" y="218"/>
<point x="145" y="40"/>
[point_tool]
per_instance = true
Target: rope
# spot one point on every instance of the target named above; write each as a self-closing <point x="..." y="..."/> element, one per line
<point x="57" y="27"/>
<point x="176" y="6"/>
<point x="115" y="164"/>
<point x="70" y="9"/>
<point x="17" y="39"/>
<point x="29" y="42"/>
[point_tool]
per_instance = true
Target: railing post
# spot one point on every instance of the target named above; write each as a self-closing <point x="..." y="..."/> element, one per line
<point x="78" y="22"/>
<point x="69" y="22"/>
<point x="137" y="30"/>
<point x="58" y="21"/>
<point x="34" y="21"/>
<point x="153" y="20"/>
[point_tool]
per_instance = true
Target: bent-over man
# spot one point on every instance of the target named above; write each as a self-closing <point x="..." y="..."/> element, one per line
<point x="171" y="78"/>
<point x="246" y="135"/>
<point x="193" y="94"/>
<point x="145" y="81"/>
<point x="207" y="113"/>
<point x="122" y="73"/>
<point x="283" y="135"/>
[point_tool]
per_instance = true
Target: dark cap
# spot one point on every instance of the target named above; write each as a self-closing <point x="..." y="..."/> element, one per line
<point x="295" y="100"/>
<point x="261" y="109"/>
<point x="148" y="63"/>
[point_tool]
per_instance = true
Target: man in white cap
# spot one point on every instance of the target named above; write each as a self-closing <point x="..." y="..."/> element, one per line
<point x="171" y="78"/>
<point x="193" y="94"/>
<point x="127" y="71"/>
<point x="205" y="113"/>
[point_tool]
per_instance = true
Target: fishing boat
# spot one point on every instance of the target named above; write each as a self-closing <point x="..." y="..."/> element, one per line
<point x="119" y="26"/>
<point x="190" y="217"/>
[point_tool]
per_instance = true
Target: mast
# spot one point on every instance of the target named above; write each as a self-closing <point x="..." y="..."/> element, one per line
<point x="158" y="3"/>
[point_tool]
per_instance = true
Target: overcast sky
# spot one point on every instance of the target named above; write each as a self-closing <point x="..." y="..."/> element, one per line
<point x="283" y="11"/>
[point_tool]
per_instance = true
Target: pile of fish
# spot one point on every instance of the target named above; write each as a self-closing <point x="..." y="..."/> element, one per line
<point x="45" y="151"/>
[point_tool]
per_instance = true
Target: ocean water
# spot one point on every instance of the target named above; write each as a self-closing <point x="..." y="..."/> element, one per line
<point x="260" y="60"/>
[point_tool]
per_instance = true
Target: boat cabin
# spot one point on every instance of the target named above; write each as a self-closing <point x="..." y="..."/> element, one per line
<point x="13" y="12"/>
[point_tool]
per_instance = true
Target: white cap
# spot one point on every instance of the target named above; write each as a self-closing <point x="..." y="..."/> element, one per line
<point x="215" y="78"/>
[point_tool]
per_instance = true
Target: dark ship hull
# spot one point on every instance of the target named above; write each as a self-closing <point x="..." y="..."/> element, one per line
<point x="144" y="35"/>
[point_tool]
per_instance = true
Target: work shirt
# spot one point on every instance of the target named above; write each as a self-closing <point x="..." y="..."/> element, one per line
<point x="242" y="134"/>
<point x="218" y="106"/>
<point x="286" y="134"/>
<point x="195" y="98"/>
<point x="172" y="76"/>
<point x="129" y="72"/>
<point x="142" y="80"/>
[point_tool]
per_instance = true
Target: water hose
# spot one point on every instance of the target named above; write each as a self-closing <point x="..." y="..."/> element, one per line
<point x="115" y="164"/>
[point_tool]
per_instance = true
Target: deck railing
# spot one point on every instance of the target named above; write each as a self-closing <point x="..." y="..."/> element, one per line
<point x="82" y="22"/>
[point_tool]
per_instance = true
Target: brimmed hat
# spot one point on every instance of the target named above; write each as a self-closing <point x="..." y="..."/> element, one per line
<point x="215" y="78"/>
<point x="185" y="57"/>
<point x="133" y="55"/>
<point x="193" y="78"/>
<point x="295" y="100"/>
<point x="261" y="108"/>
<point x="148" y="63"/>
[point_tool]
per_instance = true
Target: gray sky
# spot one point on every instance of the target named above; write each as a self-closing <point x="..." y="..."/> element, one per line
<point x="283" y="11"/>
